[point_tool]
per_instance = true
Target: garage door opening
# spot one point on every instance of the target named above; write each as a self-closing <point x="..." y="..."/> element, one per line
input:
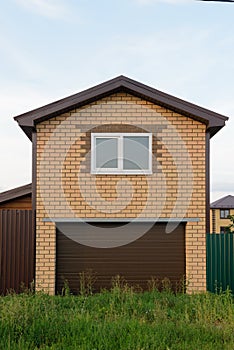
<point x="156" y="254"/>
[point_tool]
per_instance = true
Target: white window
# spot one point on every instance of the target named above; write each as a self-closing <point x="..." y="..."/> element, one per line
<point x="121" y="153"/>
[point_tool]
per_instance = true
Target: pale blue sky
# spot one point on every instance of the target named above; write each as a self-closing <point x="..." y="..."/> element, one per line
<point x="50" y="49"/>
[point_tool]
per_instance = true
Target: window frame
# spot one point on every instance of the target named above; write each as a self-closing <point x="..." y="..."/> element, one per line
<point x="224" y="216"/>
<point x="119" y="170"/>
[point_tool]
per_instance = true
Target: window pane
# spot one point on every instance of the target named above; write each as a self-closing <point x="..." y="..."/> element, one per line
<point x="136" y="152"/>
<point x="224" y="213"/>
<point x="106" y="152"/>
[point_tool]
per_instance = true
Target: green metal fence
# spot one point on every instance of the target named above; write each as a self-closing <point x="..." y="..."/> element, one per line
<point x="220" y="261"/>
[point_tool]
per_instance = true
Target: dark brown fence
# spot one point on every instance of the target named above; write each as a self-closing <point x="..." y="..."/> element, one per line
<point x="16" y="250"/>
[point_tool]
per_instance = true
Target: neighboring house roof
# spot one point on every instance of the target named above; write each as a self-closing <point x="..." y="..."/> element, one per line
<point x="15" y="193"/>
<point x="226" y="202"/>
<point x="214" y="121"/>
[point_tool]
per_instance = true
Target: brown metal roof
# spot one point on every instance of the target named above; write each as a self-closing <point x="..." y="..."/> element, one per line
<point x="16" y="193"/>
<point x="214" y="121"/>
<point x="224" y="202"/>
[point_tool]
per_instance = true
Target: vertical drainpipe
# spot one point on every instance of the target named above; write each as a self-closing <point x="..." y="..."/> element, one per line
<point x="34" y="188"/>
<point x="207" y="182"/>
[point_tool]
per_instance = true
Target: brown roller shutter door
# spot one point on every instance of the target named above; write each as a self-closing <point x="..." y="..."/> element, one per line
<point x="156" y="254"/>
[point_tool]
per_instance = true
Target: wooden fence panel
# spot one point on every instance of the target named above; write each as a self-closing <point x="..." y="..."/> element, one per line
<point x="220" y="261"/>
<point x="16" y="250"/>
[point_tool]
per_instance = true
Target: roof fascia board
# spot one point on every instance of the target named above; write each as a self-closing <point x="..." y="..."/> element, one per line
<point x="213" y="120"/>
<point x="28" y="118"/>
<point x="15" y="193"/>
<point x="175" y="102"/>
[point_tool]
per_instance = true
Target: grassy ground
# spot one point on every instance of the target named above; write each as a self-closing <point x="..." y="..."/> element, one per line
<point x="119" y="319"/>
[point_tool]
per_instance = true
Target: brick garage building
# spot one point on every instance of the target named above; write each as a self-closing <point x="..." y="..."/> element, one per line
<point x="118" y="152"/>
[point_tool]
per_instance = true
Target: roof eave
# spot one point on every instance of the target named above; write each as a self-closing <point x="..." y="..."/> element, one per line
<point x="213" y="130"/>
<point x="220" y="206"/>
<point x="15" y="193"/>
<point x="214" y="121"/>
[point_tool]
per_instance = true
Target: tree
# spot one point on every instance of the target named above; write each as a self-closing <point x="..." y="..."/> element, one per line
<point x="230" y="228"/>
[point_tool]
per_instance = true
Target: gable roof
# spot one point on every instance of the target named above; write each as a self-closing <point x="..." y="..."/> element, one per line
<point x="16" y="193"/>
<point x="214" y="121"/>
<point x="226" y="202"/>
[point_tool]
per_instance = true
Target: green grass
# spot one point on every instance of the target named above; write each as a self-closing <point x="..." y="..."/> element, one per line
<point x="119" y="319"/>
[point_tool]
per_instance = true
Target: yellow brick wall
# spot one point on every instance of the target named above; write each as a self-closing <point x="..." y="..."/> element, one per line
<point x="67" y="189"/>
<point x="216" y="222"/>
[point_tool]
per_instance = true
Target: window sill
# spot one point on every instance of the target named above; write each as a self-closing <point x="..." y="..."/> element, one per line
<point x="127" y="172"/>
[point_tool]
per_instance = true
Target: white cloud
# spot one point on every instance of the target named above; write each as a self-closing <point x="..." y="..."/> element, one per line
<point x="16" y="158"/>
<point x="20" y="59"/>
<point x="166" y="52"/>
<point x="15" y="155"/>
<point x="54" y="9"/>
<point x="150" y="2"/>
<point x="17" y="98"/>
